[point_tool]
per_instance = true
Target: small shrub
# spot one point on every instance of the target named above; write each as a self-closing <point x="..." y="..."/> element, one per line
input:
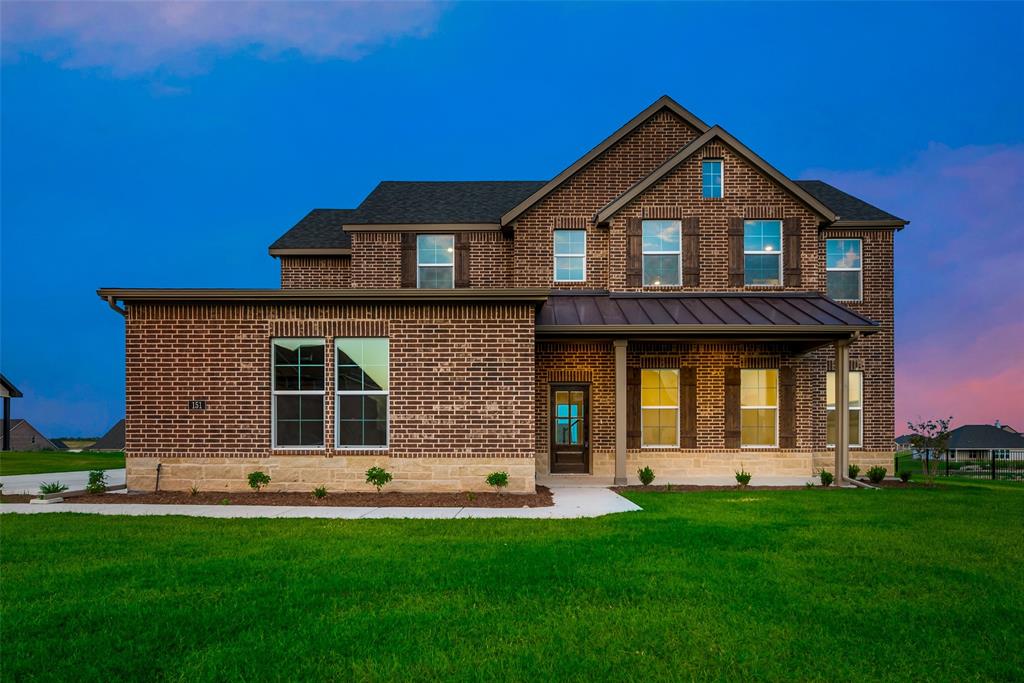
<point x="904" y="476"/>
<point x="257" y="480"/>
<point x="876" y="474"/>
<point x="97" y="482"/>
<point x="743" y="477"/>
<point x="809" y="484"/>
<point x="853" y="470"/>
<point x="668" y="487"/>
<point x="826" y="477"/>
<point x="194" y="491"/>
<point x="646" y="475"/>
<point x="225" y="501"/>
<point x="52" y="487"/>
<point x="378" y="476"/>
<point x="320" y="492"/>
<point x="470" y="496"/>
<point x="498" y="480"/>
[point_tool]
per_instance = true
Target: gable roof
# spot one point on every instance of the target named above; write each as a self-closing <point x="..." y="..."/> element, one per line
<point x="113" y="440"/>
<point x="850" y="209"/>
<point x="983" y="437"/>
<point x="440" y="202"/>
<point x="12" y="391"/>
<point x="686" y="152"/>
<point x="319" y="231"/>
<point x="25" y="425"/>
<point x="663" y="102"/>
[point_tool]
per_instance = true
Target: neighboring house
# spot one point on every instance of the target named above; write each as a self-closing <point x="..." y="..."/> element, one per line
<point x="25" y="437"/>
<point x="670" y="299"/>
<point x="59" y="445"/>
<point x="113" y="440"/>
<point x="7" y="392"/>
<point x="904" y="442"/>
<point x="983" y="442"/>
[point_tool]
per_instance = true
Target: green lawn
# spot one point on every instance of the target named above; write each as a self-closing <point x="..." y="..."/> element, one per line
<point x="35" y="462"/>
<point x="794" y="585"/>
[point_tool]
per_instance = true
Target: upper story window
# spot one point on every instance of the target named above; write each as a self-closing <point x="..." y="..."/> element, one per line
<point x="711" y="175"/>
<point x="298" y="393"/>
<point x="570" y="255"/>
<point x="843" y="269"/>
<point x="659" y="408"/>
<point x="759" y="408"/>
<point x="661" y="251"/>
<point x="762" y="252"/>
<point x="856" y="394"/>
<point x="435" y="261"/>
<point x="363" y="386"/>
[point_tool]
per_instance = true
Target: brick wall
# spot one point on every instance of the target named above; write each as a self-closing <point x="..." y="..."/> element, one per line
<point x="316" y="272"/>
<point x="461" y="377"/>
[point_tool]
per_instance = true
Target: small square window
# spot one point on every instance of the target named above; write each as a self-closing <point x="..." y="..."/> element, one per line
<point x="711" y="176"/>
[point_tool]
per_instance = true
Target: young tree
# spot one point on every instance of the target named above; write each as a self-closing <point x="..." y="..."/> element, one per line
<point x="930" y="438"/>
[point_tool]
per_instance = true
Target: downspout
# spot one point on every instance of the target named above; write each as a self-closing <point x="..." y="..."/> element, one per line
<point x="112" y="302"/>
<point x="156" y="489"/>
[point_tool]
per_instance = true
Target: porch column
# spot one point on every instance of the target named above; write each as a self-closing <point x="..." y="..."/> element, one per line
<point x="842" y="409"/>
<point x="620" y="411"/>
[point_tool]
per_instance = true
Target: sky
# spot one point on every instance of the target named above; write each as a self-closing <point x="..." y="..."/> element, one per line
<point x="168" y="144"/>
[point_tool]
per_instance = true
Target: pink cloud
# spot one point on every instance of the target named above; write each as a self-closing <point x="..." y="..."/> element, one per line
<point x="959" y="280"/>
<point x="138" y="37"/>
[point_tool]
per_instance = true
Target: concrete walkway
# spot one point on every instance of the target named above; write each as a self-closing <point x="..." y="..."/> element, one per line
<point x="570" y="503"/>
<point x="75" y="481"/>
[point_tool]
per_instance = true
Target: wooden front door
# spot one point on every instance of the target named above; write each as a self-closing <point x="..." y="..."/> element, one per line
<point x="570" y="428"/>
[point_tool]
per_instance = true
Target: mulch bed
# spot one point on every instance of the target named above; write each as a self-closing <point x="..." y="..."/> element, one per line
<point x="15" y="498"/>
<point x="542" y="498"/>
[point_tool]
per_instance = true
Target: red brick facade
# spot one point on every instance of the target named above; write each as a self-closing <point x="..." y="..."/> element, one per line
<point x="473" y="380"/>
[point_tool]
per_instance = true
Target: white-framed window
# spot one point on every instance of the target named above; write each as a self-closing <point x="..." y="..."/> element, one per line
<point x="570" y="255"/>
<point x="363" y="370"/>
<point x="662" y="254"/>
<point x="435" y="261"/>
<point x="856" y="394"/>
<point x="297" y="385"/>
<point x="762" y="253"/>
<point x="843" y="270"/>
<point x="759" y="408"/>
<point x="659" y="408"/>
<point x="711" y="179"/>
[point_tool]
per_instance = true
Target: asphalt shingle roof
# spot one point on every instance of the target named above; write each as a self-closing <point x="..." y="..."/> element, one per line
<point x="848" y="207"/>
<point x="983" y="437"/>
<point x="319" y="229"/>
<point x="394" y="202"/>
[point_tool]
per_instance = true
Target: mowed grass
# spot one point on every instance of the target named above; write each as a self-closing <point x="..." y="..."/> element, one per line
<point x="37" y="462"/>
<point x="787" y="585"/>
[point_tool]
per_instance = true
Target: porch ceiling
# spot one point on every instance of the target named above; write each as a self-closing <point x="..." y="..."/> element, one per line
<point x="723" y="314"/>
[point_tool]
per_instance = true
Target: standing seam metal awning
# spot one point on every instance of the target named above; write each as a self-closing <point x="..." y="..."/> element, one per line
<point x="729" y="313"/>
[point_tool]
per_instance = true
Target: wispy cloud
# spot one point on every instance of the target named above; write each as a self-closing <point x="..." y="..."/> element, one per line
<point x="959" y="274"/>
<point x="133" y="38"/>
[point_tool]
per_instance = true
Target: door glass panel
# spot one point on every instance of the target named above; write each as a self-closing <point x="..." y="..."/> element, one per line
<point x="569" y="427"/>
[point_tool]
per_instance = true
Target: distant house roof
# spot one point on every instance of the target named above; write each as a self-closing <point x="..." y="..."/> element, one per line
<point x="904" y="440"/>
<point x="113" y="440"/>
<point x="9" y="389"/>
<point x="983" y="437"/>
<point x="846" y="206"/>
<point x="59" y="444"/>
<point x="319" y="230"/>
<point x="25" y="437"/>
<point x="722" y="313"/>
<point x="441" y="202"/>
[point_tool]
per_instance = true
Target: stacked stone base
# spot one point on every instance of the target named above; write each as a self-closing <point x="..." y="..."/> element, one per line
<point x="339" y="473"/>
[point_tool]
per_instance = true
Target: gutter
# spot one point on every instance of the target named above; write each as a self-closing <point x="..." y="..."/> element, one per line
<point x="273" y="296"/>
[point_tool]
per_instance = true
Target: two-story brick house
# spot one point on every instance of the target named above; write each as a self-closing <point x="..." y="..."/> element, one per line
<point x="670" y="299"/>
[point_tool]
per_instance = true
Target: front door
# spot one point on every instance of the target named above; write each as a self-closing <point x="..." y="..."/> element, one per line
<point x="570" y="431"/>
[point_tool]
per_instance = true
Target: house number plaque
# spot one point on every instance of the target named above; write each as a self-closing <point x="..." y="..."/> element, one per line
<point x="199" y="404"/>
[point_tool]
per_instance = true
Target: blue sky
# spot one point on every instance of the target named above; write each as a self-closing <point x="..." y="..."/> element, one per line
<point x="153" y="145"/>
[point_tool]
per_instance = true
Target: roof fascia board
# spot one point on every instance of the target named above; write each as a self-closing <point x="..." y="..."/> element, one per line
<point x="787" y="331"/>
<point x="421" y="227"/>
<point x="309" y="252"/>
<point x="716" y="132"/>
<point x="325" y="295"/>
<point x="663" y="102"/>
<point x="897" y="224"/>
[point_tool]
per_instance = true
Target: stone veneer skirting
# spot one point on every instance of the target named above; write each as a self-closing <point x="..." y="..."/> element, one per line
<point x="726" y="463"/>
<point x="338" y="473"/>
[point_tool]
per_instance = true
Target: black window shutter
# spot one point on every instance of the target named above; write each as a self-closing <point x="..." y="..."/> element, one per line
<point x="408" y="259"/>
<point x="691" y="251"/>
<point x="791" y="252"/>
<point x="461" y="260"/>
<point x="735" y="252"/>
<point x="634" y="252"/>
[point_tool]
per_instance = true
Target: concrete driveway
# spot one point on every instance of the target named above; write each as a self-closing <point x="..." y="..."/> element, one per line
<point x="75" y="481"/>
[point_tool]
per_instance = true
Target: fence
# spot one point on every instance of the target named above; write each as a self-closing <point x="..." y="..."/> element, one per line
<point x="995" y="464"/>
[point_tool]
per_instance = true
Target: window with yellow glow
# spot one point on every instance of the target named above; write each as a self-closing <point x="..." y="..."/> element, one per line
<point x="659" y="407"/>
<point x="759" y="407"/>
<point x="856" y="394"/>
